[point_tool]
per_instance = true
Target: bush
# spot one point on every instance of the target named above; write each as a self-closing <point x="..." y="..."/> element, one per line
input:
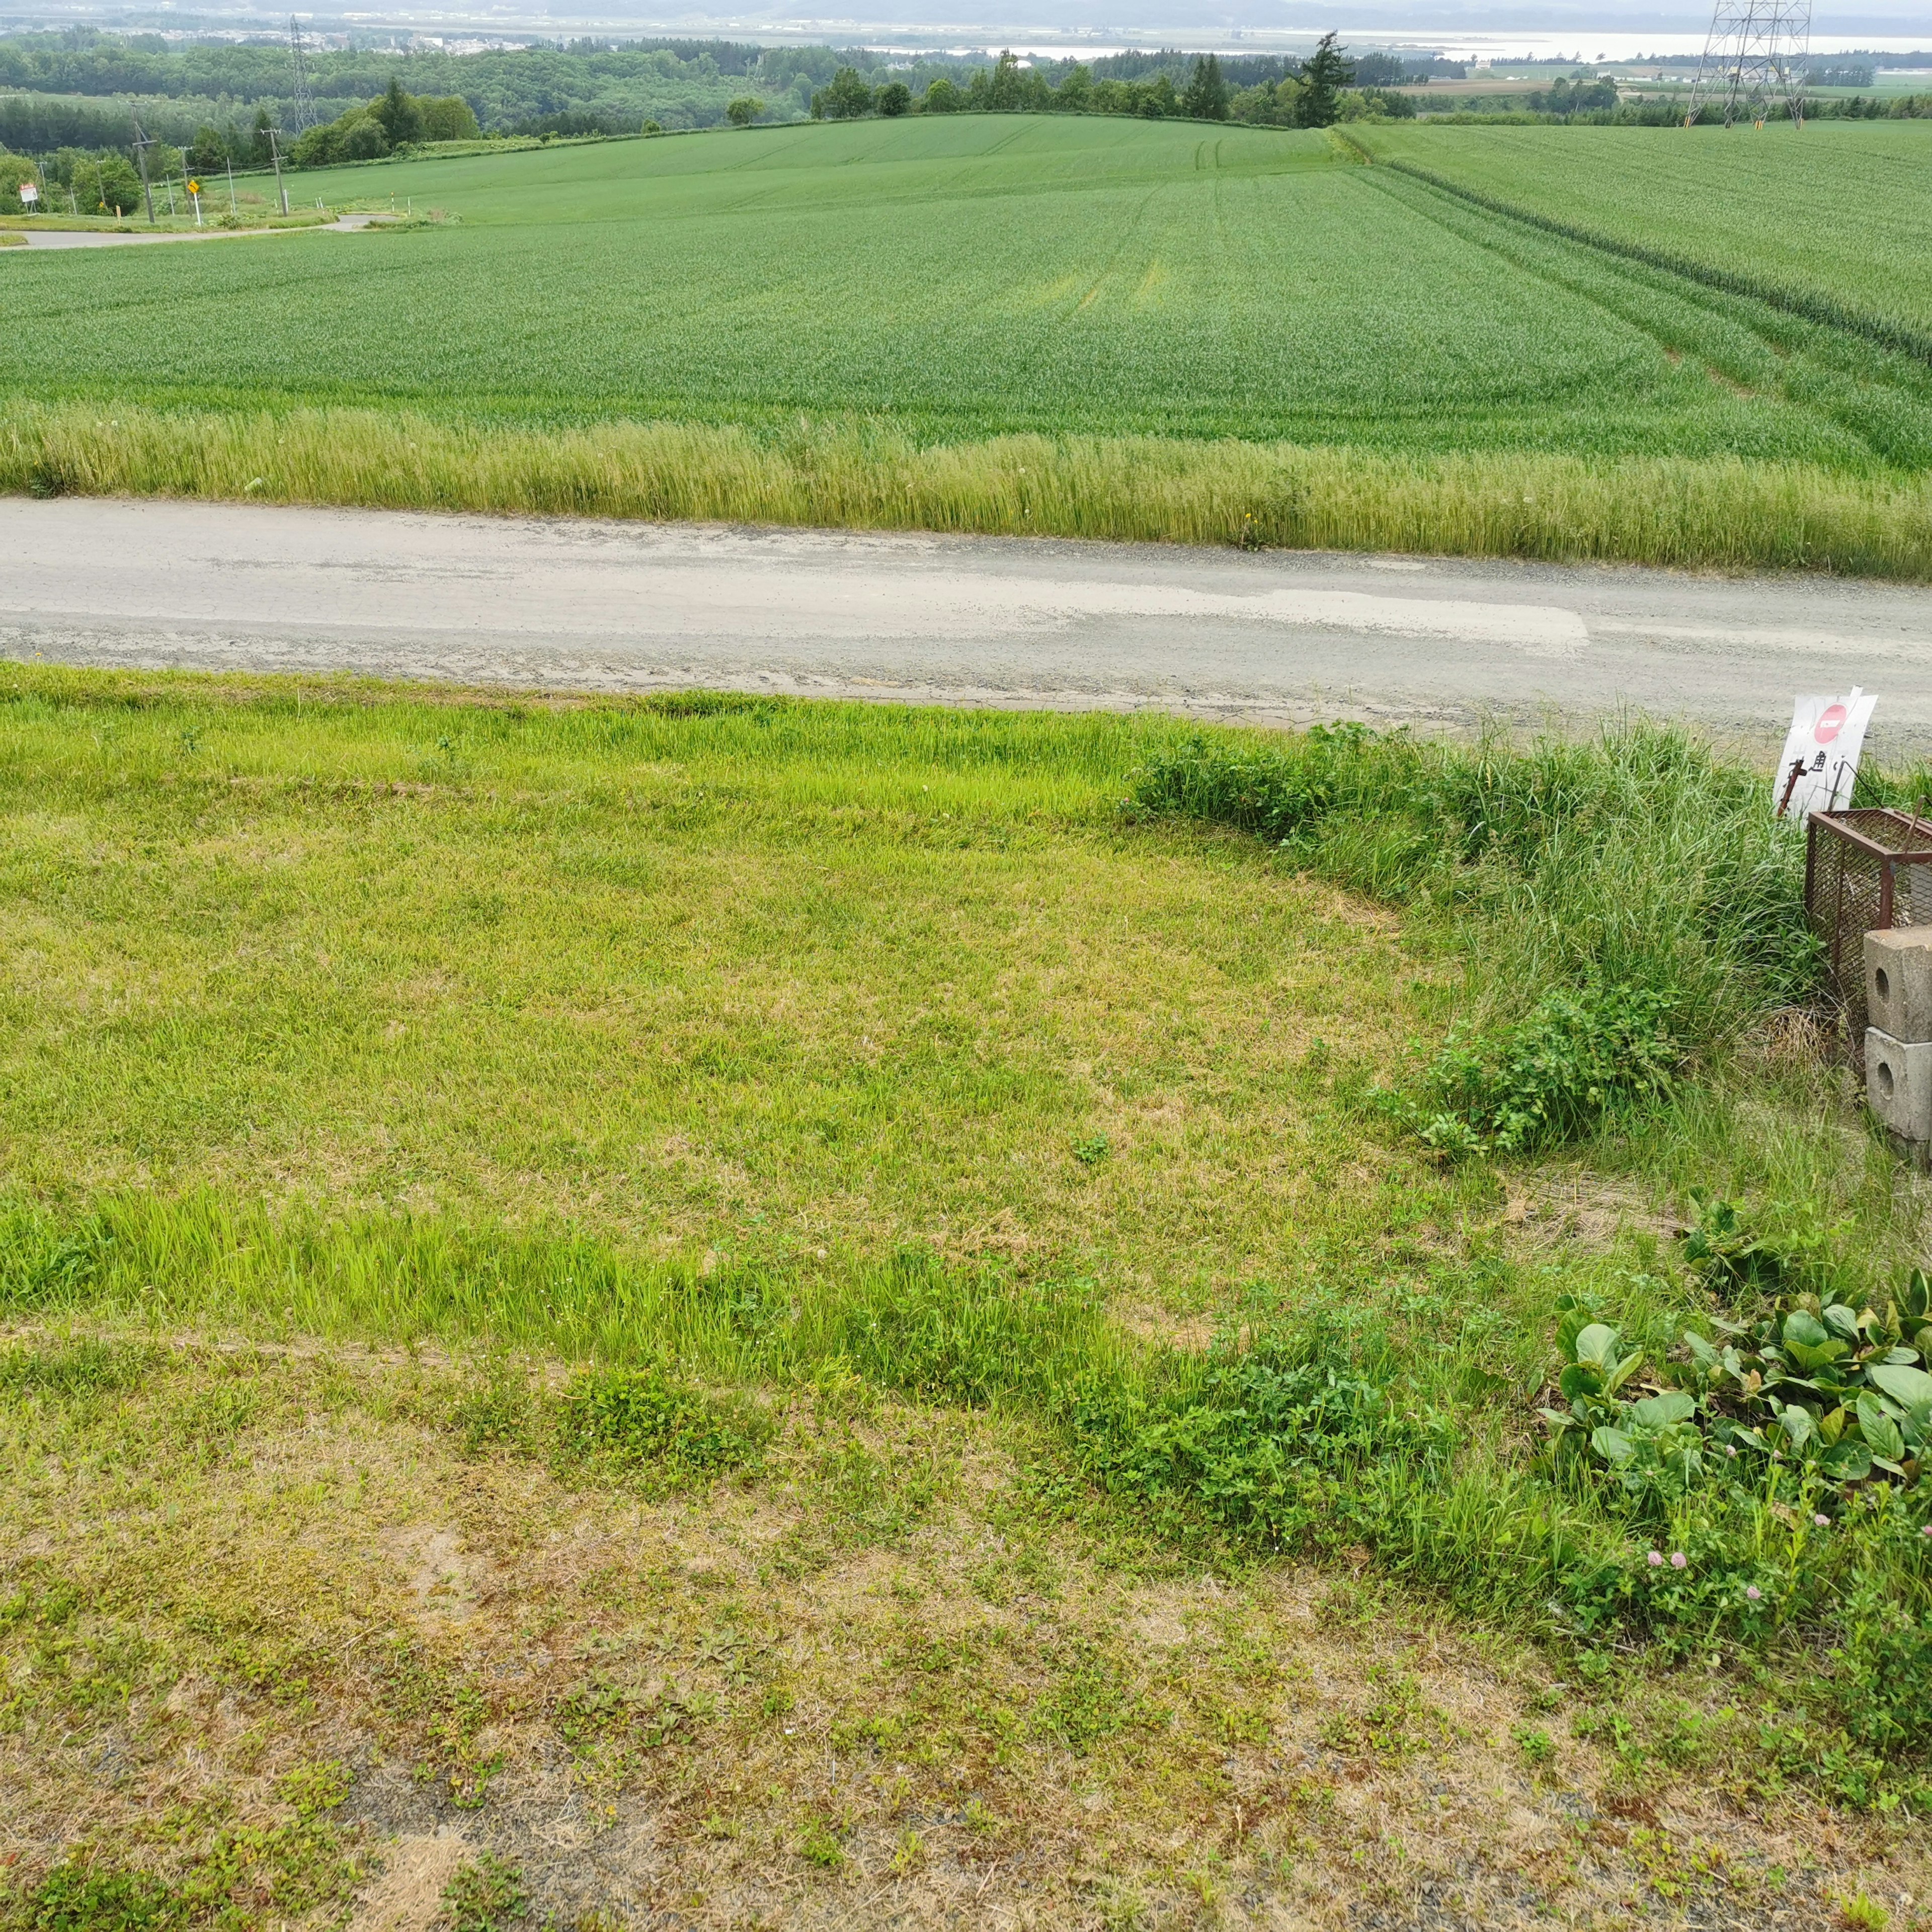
<point x="1270" y="1446"/>
<point x="14" y="171"/>
<point x="394" y="119"/>
<point x="107" y="187"/>
<point x="1571" y="1065"/>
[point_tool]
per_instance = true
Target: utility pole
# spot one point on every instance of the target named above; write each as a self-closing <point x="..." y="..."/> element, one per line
<point x="275" y="155"/>
<point x="231" y="184"/>
<point x="142" y="144"/>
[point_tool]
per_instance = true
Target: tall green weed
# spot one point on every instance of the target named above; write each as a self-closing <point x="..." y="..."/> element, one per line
<point x="1622" y="906"/>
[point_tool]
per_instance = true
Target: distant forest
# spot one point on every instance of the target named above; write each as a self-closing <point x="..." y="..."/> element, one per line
<point x="70" y="88"/>
<point x="70" y="93"/>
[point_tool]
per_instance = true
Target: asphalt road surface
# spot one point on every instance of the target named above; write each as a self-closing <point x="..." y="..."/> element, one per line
<point x="1271" y="637"/>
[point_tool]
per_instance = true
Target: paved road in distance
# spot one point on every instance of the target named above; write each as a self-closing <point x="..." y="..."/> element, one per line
<point x="1272" y="637"/>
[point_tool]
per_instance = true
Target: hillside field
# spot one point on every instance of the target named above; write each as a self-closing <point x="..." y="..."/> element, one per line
<point x="1169" y="317"/>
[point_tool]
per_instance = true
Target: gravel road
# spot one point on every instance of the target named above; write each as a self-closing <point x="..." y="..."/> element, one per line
<point x="111" y="238"/>
<point x="1271" y="637"/>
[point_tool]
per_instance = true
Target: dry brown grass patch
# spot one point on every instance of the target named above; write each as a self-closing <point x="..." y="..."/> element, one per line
<point x="957" y="1708"/>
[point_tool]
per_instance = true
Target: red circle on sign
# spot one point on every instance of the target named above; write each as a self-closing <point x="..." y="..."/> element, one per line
<point x="1831" y="722"/>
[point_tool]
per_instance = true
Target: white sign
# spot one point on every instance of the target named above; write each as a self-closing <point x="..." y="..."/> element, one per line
<point x="1821" y="755"/>
<point x="29" y="194"/>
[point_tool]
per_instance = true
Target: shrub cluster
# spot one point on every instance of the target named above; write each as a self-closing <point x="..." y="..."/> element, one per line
<point x="393" y="120"/>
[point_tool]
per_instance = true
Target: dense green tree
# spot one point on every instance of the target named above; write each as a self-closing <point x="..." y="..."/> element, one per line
<point x="208" y="152"/>
<point x="895" y="98"/>
<point x="15" y="169"/>
<point x="1075" y="93"/>
<point x="1376" y="103"/>
<point x="744" y="110"/>
<point x="1324" y="75"/>
<point x="107" y="187"/>
<point x="1206" y="98"/>
<point x="999" y="89"/>
<point x="400" y="115"/>
<point x="1269" y="105"/>
<point x="365" y="140"/>
<point x="448" y="117"/>
<point x="846" y="99"/>
<point x="1155" y="99"/>
<point x="943" y="97"/>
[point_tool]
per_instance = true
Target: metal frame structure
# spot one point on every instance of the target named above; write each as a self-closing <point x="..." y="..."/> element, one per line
<point x="303" y="114"/>
<point x="1853" y="863"/>
<point x="1755" y="54"/>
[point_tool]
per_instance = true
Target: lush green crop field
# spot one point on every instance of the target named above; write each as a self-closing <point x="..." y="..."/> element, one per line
<point x="928" y="283"/>
<point x="1843" y="208"/>
<point x="972" y="275"/>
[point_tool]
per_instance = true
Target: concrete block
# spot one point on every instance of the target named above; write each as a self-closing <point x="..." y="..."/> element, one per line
<point x="1898" y="981"/>
<point x="1898" y="1084"/>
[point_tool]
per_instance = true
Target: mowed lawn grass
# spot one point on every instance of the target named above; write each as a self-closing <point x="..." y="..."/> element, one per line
<point x="794" y="985"/>
<point x="955" y="277"/>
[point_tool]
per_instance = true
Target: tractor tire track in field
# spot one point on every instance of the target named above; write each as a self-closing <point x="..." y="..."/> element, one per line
<point x="1806" y="304"/>
<point x="1894" y="428"/>
<point x="1273" y="637"/>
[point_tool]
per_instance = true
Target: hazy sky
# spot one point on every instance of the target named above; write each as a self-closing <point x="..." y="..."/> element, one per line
<point x="1587" y="27"/>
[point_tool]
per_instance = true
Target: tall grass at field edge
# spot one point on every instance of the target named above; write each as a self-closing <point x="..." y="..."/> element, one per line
<point x="1719" y="513"/>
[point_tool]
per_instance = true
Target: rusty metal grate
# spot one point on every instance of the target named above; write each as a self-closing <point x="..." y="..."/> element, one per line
<point x="1865" y="870"/>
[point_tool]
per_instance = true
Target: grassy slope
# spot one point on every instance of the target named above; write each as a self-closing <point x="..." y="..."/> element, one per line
<point x="287" y="1629"/>
<point x="799" y="983"/>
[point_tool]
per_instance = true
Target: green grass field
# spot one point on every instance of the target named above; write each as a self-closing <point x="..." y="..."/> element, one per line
<point x="834" y="1280"/>
<point x="963" y="277"/>
<point x="1847" y="215"/>
<point x="934" y="286"/>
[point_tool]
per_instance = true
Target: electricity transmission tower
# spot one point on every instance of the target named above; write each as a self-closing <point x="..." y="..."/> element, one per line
<point x="302" y="114"/>
<point x="1754" y="55"/>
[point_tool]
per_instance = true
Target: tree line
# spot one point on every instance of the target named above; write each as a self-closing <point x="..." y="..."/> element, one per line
<point x="1309" y="94"/>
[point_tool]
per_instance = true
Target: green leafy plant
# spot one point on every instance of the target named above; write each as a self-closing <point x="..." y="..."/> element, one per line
<point x="1841" y="1389"/>
<point x="486" y="1897"/>
<point x="1573" y="1062"/>
<point x="647" y="1420"/>
<point x="1653" y="1444"/>
<point x="1737" y="1259"/>
<point x="1808" y="1394"/>
<point x="818" y="1845"/>
<point x="75" y="1897"/>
